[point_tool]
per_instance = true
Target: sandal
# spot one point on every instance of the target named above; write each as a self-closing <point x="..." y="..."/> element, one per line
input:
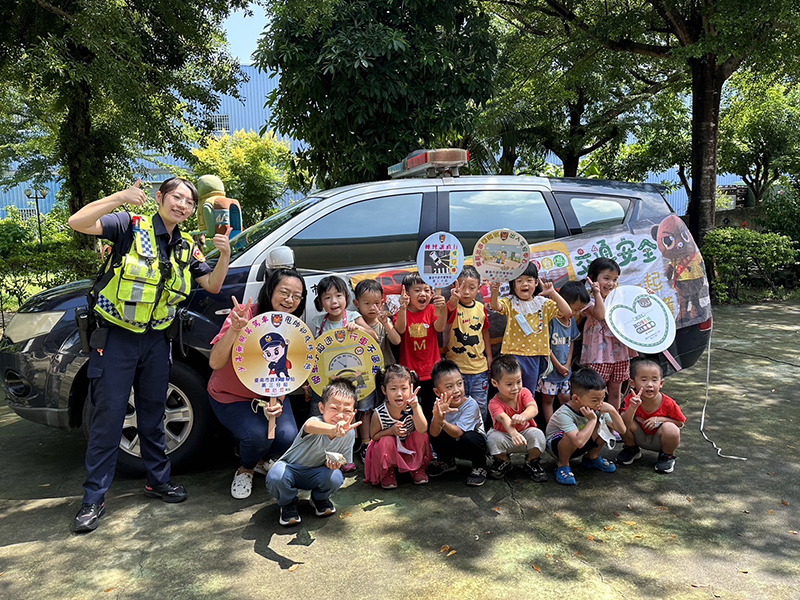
<point x="599" y="463"/>
<point x="242" y="485"/>
<point x="564" y="476"/>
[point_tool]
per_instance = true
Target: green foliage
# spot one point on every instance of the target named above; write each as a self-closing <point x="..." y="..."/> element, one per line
<point x="252" y="167"/>
<point x="12" y="234"/>
<point x="760" y="132"/>
<point x="28" y="270"/>
<point x="564" y="96"/>
<point x="365" y="82"/>
<point x="739" y="255"/>
<point x="782" y="214"/>
<point x="90" y="86"/>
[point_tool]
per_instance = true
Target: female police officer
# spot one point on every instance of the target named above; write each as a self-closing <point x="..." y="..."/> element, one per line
<point x="135" y="299"/>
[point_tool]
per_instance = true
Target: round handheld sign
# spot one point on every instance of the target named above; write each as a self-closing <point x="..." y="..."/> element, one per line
<point x="355" y="356"/>
<point x="273" y="354"/>
<point x="501" y="255"/>
<point x="641" y="321"/>
<point x="440" y="259"/>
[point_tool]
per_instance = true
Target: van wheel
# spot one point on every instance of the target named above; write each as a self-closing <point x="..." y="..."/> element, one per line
<point x="188" y="422"/>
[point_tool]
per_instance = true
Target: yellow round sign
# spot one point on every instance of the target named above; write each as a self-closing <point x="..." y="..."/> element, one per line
<point x="355" y="356"/>
<point x="273" y="354"/>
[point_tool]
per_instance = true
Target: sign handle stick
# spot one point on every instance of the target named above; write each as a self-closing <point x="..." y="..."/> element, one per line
<point x="271" y="433"/>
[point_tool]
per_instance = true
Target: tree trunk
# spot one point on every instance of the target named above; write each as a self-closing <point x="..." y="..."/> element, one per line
<point x="508" y="159"/>
<point x="707" y="80"/>
<point x="571" y="163"/>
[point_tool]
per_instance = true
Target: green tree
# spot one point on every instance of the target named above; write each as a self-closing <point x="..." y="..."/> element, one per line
<point x="571" y="99"/>
<point x="94" y="84"/>
<point x="252" y="167"/>
<point x="709" y="39"/>
<point x="760" y="133"/>
<point x="365" y="82"/>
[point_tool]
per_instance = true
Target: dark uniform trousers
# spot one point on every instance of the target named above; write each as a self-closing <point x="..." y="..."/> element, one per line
<point x="129" y="360"/>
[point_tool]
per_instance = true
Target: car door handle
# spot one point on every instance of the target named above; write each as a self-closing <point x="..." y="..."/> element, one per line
<point x="223" y="311"/>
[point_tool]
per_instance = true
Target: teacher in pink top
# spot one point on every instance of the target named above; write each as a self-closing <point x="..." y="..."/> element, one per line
<point x="284" y="291"/>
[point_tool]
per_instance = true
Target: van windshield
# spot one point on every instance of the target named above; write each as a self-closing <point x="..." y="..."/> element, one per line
<point x="253" y="235"/>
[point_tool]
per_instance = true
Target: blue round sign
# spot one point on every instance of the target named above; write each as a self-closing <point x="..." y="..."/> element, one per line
<point x="440" y="259"/>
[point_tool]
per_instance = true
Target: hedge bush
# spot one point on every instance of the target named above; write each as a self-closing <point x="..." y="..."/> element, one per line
<point x="740" y="256"/>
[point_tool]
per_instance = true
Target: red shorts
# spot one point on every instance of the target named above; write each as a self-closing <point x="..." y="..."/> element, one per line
<point x="618" y="371"/>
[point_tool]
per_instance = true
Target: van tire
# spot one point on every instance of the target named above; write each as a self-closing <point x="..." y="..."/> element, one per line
<point x="188" y="421"/>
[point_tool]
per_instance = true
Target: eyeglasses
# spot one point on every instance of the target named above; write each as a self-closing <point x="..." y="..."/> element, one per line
<point x="181" y="200"/>
<point x="286" y="294"/>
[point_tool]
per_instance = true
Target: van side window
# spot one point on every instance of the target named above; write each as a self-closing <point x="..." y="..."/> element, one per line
<point x="597" y="212"/>
<point x="370" y="232"/>
<point x="477" y="212"/>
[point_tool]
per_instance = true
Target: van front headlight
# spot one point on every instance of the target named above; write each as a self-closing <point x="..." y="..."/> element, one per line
<point x="25" y="326"/>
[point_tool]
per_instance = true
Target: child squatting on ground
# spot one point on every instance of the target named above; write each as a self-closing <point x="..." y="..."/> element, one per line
<point x="312" y="462"/>
<point x="513" y="410"/>
<point x="469" y="344"/>
<point x="653" y="420"/>
<point x="420" y="320"/>
<point x="563" y="332"/>
<point x="529" y="311"/>
<point x="369" y="302"/>
<point x="580" y="427"/>
<point x="456" y="430"/>
<point x="399" y="433"/>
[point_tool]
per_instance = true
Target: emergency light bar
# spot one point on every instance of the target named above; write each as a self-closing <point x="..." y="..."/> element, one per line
<point x="430" y="163"/>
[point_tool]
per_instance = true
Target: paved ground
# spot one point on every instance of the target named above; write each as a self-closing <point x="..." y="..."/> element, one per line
<point x="714" y="528"/>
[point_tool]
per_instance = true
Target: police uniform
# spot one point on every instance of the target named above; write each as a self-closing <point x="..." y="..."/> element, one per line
<point x="149" y="274"/>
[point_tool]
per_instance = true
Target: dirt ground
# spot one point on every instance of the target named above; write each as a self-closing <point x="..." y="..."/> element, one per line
<point x="715" y="527"/>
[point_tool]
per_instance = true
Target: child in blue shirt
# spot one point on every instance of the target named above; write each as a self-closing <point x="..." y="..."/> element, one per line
<point x="563" y="332"/>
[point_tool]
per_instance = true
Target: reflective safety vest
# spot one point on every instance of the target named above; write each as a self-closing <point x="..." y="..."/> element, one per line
<point x="138" y="291"/>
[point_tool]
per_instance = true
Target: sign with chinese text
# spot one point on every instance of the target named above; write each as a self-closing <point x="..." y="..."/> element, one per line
<point x="273" y="354"/>
<point x="351" y="355"/>
<point x="440" y="259"/>
<point x="641" y="321"/>
<point x="501" y="255"/>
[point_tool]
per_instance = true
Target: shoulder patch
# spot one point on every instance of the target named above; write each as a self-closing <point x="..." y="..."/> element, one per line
<point x="197" y="254"/>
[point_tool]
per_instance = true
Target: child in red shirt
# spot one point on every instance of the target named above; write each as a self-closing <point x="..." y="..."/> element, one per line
<point x="653" y="420"/>
<point x="513" y="410"/>
<point x="422" y="316"/>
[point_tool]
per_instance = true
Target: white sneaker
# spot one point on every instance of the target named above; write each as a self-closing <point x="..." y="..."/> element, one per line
<point x="242" y="485"/>
<point x="263" y="468"/>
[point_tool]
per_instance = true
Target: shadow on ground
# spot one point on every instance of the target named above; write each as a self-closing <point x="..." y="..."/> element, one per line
<point x="715" y="527"/>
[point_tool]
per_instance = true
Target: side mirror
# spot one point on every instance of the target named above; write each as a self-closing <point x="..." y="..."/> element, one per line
<point x="281" y="257"/>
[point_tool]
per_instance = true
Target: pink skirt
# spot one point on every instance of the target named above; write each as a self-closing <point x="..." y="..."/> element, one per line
<point x="383" y="455"/>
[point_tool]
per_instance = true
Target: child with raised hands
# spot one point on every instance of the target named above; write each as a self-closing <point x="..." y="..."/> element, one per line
<point x="456" y="430"/>
<point x="529" y="310"/>
<point x="580" y="428"/>
<point x="653" y="420"/>
<point x="399" y="439"/>
<point x="469" y="345"/>
<point x="312" y="462"/>
<point x="369" y="302"/>
<point x="333" y="296"/>
<point x="513" y="410"/>
<point x="602" y="351"/>
<point x="563" y="332"/>
<point x="422" y="316"/>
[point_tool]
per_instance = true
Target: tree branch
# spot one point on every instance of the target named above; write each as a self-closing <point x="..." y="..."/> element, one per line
<point x="55" y="10"/>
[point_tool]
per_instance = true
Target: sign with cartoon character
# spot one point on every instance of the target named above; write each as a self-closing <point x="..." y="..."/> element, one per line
<point x="273" y="354"/>
<point x="649" y="256"/>
<point x="440" y="259"/>
<point x="501" y="255"/>
<point x="351" y="355"/>
<point x="641" y="321"/>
